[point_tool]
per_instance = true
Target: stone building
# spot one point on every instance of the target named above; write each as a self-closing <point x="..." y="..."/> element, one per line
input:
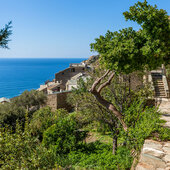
<point x="52" y="87"/>
<point x="4" y="100"/>
<point x="63" y="83"/>
<point x="67" y="76"/>
<point x="73" y="82"/>
<point x="68" y="73"/>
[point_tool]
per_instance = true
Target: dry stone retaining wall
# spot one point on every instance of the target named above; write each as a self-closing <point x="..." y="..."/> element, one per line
<point x="58" y="100"/>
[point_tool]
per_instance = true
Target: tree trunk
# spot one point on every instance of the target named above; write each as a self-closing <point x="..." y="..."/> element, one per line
<point x="110" y="107"/>
<point x="114" y="144"/>
<point x="104" y="102"/>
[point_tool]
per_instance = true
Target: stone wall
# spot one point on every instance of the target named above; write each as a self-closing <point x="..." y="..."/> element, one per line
<point x="168" y="79"/>
<point x="62" y="101"/>
<point x="52" y="101"/>
<point x="134" y="80"/>
<point x="58" y="100"/>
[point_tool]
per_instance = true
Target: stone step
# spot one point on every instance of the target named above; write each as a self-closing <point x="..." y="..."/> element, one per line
<point x="160" y="93"/>
<point x="160" y="96"/>
<point x="156" y="75"/>
<point x="159" y="88"/>
<point x="157" y="78"/>
<point x="157" y="85"/>
<point x="158" y="82"/>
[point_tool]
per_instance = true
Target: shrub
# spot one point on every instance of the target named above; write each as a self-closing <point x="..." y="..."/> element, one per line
<point x="15" y="110"/>
<point x="44" y="118"/>
<point x="142" y="122"/>
<point x="64" y="135"/>
<point x="20" y="150"/>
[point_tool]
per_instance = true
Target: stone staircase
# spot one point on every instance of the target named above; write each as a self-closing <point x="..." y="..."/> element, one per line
<point x="158" y="85"/>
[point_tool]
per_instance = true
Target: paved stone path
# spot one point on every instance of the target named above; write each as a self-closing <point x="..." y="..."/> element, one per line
<point x="156" y="155"/>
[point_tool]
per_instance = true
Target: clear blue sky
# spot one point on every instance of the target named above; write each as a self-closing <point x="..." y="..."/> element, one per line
<point x="62" y="28"/>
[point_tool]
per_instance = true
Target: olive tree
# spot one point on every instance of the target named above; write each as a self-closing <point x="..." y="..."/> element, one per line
<point x="128" y="50"/>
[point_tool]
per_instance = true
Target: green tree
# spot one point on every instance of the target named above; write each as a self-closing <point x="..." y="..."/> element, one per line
<point x="63" y="136"/>
<point x="127" y="50"/>
<point x="30" y="101"/>
<point x="4" y="35"/>
<point x="20" y="150"/>
<point x="118" y="93"/>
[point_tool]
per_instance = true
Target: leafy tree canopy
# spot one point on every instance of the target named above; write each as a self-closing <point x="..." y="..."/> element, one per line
<point x="128" y="50"/>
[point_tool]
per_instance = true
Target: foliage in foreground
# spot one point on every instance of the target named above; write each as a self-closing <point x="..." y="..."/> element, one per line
<point x="63" y="144"/>
<point x="20" y="150"/>
<point x="64" y="136"/>
<point x="99" y="156"/>
<point x="43" y="119"/>
<point x="15" y="110"/>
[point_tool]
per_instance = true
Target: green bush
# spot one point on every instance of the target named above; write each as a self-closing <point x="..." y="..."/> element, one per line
<point x="142" y="122"/>
<point x="64" y="135"/>
<point x="20" y="150"/>
<point x="44" y="118"/>
<point x="29" y="101"/>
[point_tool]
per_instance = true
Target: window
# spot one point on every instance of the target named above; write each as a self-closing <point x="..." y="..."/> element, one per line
<point x="73" y="70"/>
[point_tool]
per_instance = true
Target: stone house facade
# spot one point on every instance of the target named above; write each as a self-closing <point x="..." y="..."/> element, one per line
<point x="68" y="73"/>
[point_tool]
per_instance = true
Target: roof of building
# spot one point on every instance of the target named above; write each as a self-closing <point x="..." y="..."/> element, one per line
<point x="69" y="68"/>
<point x="77" y="76"/>
<point x="54" y="86"/>
<point x="82" y="64"/>
<point x="42" y="87"/>
<point x="3" y="99"/>
<point x="72" y="82"/>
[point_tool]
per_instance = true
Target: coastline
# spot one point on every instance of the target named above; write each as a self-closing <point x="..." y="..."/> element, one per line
<point x="18" y="75"/>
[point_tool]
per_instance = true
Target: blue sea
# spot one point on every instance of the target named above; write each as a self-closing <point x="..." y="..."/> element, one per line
<point x="18" y="75"/>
